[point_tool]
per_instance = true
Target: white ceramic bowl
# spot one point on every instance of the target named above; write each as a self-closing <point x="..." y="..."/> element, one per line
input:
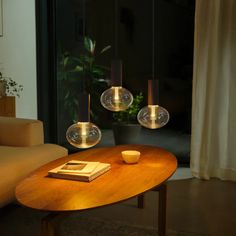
<point x="130" y="156"/>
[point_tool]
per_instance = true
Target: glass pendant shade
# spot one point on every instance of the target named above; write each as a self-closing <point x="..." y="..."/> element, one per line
<point x="116" y="98"/>
<point x="153" y="116"/>
<point x="83" y="134"/>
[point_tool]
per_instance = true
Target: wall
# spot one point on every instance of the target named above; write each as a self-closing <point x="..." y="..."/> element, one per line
<point x="18" y="52"/>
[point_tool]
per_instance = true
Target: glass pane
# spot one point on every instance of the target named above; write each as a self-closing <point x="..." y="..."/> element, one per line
<point x="151" y="42"/>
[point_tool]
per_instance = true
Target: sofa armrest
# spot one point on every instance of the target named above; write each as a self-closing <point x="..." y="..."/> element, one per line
<point x="20" y="132"/>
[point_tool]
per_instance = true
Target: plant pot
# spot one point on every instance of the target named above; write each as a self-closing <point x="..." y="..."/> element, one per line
<point x="2" y="89"/>
<point x="126" y="133"/>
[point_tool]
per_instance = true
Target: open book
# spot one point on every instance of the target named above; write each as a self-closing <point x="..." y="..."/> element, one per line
<point x="80" y="170"/>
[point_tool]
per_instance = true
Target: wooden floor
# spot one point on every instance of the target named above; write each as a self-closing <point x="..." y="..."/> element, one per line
<point x="194" y="206"/>
<point x="203" y="206"/>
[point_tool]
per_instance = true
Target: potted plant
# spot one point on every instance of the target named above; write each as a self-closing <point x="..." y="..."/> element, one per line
<point x="126" y="128"/>
<point x="80" y="73"/>
<point x="9" y="87"/>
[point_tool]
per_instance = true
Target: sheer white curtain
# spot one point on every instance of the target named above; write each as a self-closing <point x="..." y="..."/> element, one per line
<point x="213" y="144"/>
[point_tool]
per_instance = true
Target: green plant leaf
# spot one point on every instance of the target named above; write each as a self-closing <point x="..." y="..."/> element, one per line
<point x="130" y="114"/>
<point x="87" y="43"/>
<point x="105" y="49"/>
<point x="65" y="61"/>
<point x="92" y="46"/>
<point x="78" y="69"/>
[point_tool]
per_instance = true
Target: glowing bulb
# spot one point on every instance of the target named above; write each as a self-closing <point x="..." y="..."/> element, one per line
<point x="152" y="112"/>
<point x="116" y="98"/>
<point x="153" y="116"/>
<point x="83" y="135"/>
<point x="116" y="95"/>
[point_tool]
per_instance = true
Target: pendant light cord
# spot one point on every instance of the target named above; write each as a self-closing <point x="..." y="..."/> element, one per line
<point x="154" y="88"/>
<point x="116" y="29"/>
<point x="84" y="15"/>
<point x="153" y="39"/>
<point x="84" y="25"/>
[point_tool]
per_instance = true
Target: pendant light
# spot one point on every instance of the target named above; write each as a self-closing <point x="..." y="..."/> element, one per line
<point x="83" y="134"/>
<point x="153" y="116"/>
<point x="116" y="98"/>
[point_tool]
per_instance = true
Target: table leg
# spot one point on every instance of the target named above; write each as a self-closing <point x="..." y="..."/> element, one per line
<point x="162" y="210"/>
<point x="47" y="226"/>
<point x="141" y="201"/>
<point x="50" y="224"/>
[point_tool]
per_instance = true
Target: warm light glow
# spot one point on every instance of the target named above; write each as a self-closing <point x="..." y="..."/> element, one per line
<point x="83" y="128"/>
<point x="153" y="116"/>
<point x="152" y="112"/>
<point x="83" y="135"/>
<point x="116" y="95"/>
<point x="116" y="98"/>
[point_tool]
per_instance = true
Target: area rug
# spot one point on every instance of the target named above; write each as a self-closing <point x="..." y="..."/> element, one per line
<point x="84" y="226"/>
<point x="20" y="221"/>
<point x="182" y="173"/>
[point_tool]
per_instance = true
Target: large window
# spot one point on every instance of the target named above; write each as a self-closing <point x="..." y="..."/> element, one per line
<point x="126" y="25"/>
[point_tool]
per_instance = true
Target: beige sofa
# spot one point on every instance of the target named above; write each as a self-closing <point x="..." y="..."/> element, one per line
<point x="22" y="150"/>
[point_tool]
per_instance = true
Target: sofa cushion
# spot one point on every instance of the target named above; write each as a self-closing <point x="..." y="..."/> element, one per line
<point x="17" y="162"/>
<point x="20" y="132"/>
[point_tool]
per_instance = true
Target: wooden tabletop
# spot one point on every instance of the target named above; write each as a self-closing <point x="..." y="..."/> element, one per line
<point x="121" y="182"/>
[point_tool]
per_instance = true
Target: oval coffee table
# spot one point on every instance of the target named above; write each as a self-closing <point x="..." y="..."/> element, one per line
<point x="121" y="182"/>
